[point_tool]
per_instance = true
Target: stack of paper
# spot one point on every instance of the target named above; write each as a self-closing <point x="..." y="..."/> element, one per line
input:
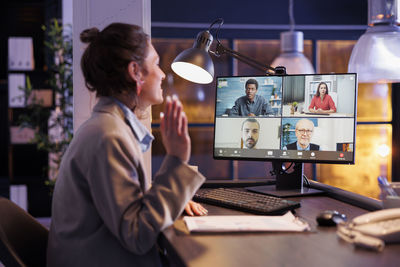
<point x="252" y="223"/>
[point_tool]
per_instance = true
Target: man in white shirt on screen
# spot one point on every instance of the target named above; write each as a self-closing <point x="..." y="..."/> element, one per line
<point x="250" y="133"/>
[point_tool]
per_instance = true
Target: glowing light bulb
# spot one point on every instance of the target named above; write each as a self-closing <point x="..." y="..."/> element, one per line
<point x="383" y="150"/>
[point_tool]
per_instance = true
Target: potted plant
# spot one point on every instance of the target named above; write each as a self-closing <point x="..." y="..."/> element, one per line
<point x="286" y="134"/>
<point x="293" y="107"/>
<point x="274" y="93"/>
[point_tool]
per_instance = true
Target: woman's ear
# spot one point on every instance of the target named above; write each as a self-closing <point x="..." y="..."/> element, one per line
<point x="134" y="71"/>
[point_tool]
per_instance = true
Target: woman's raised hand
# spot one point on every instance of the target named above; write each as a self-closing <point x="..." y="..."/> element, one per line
<point x="174" y="129"/>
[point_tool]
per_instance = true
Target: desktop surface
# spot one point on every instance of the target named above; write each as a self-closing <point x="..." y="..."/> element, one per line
<point x="317" y="113"/>
<point x="320" y="247"/>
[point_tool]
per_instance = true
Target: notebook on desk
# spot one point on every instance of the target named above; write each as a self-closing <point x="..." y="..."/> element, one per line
<point x="245" y="223"/>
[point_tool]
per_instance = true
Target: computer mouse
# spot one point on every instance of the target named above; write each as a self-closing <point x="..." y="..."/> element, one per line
<point x="330" y="218"/>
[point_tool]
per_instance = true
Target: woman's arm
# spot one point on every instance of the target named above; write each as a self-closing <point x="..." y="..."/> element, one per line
<point x="332" y="107"/>
<point x="132" y="214"/>
<point x="311" y="108"/>
<point x="326" y="111"/>
<point x="177" y="141"/>
<point x="174" y="129"/>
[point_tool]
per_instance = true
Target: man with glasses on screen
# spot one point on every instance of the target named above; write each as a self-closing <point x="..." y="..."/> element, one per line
<point x="304" y="132"/>
<point x="250" y="104"/>
<point x="250" y="133"/>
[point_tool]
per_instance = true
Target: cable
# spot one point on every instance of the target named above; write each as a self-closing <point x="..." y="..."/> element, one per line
<point x="348" y="234"/>
<point x="291" y="16"/>
<point x="280" y="170"/>
<point x="305" y="179"/>
<point x="220" y="49"/>
<point x="221" y="22"/>
<point x="284" y="168"/>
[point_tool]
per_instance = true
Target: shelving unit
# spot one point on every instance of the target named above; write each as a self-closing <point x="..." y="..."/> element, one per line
<point x="22" y="163"/>
<point x="26" y="164"/>
<point x="275" y="102"/>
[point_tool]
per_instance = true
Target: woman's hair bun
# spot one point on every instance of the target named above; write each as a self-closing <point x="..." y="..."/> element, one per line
<point x="89" y="35"/>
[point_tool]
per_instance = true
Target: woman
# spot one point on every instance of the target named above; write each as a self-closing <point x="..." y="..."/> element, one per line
<point x="105" y="210"/>
<point x="322" y="102"/>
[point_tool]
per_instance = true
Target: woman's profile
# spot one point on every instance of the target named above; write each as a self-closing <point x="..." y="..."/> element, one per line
<point x="322" y="102"/>
<point x="107" y="211"/>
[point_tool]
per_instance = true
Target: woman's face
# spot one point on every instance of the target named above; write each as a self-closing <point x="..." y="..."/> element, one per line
<point x="151" y="93"/>
<point x="322" y="89"/>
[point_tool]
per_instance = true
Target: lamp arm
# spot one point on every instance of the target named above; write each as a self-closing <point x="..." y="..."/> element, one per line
<point x="220" y="50"/>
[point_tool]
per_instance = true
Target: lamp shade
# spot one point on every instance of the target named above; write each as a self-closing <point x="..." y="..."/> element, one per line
<point x="292" y="56"/>
<point x="376" y="55"/>
<point x="195" y="64"/>
<point x="295" y="63"/>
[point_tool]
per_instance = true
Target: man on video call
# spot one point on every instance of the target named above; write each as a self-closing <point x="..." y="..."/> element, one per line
<point x="250" y="133"/>
<point x="250" y="104"/>
<point x="304" y="132"/>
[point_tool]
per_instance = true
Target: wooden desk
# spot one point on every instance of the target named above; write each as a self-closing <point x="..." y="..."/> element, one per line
<point x="320" y="247"/>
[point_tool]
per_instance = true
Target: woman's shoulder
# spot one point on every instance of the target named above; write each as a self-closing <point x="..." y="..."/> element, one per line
<point x="328" y="98"/>
<point x="102" y="125"/>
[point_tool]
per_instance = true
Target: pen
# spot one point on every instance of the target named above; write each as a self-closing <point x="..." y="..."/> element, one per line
<point x="385" y="185"/>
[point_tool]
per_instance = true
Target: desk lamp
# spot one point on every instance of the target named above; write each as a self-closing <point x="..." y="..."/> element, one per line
<point x="195" y="64"/>
<point x="376" y="55"/>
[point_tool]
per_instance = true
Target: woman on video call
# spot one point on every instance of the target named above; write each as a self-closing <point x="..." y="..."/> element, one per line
<point x="107" y="211"/>
<point x="322" y="102"/>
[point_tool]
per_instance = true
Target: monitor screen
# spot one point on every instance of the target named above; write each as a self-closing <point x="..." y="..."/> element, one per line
<point x="298" y="118"/>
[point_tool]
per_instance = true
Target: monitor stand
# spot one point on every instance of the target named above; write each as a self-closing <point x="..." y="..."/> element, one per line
<point x="287" y="184"/>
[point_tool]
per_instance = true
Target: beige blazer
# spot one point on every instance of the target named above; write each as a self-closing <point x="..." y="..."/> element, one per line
<point x="105" y="213"/>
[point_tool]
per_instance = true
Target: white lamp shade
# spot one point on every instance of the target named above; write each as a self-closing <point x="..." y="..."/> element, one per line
<point x="292" y="57"/>
<point x="376" y="55"/>
<point x="295" y="63"/>
<point x="194" y="65"/>
<point x="192" y="72"/>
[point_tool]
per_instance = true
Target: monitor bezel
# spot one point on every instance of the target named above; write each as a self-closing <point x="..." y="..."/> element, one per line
<point x="343" y="162"/>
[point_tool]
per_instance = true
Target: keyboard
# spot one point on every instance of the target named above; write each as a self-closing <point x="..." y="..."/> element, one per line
<point x="245" y="201"/>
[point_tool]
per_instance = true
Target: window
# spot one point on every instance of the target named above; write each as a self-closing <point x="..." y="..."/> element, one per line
<point x="374" y="129"/>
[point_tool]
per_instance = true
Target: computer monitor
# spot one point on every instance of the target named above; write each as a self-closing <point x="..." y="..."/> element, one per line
<point x="290" y="118"/>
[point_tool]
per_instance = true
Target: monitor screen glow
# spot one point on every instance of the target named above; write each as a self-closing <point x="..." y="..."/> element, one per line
<point x="299" y="118"/>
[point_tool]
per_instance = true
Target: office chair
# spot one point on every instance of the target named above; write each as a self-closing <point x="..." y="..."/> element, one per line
<point x="23" y="240"/>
